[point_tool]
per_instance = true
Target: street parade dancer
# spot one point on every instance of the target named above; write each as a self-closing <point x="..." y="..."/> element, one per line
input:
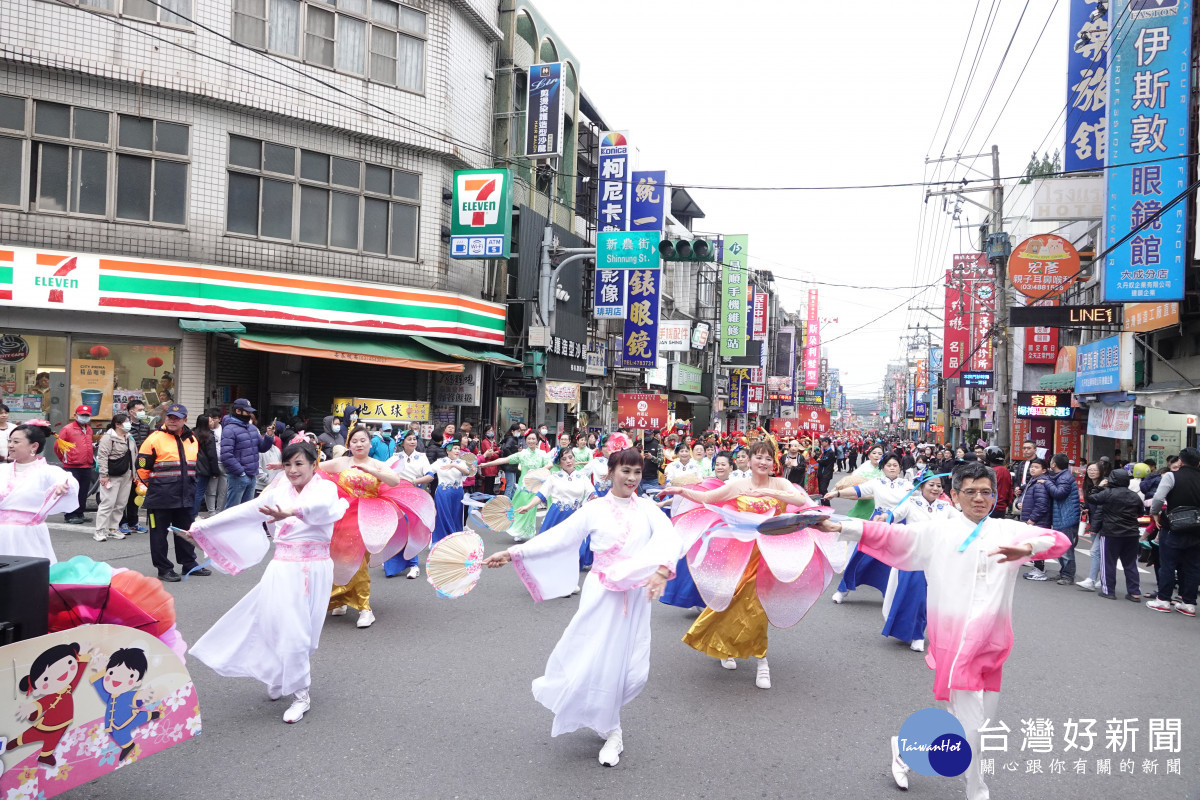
<point x="602" y="660"/>
<point x="862" y="568"/>
<point x="450" y="471"/>
<point x="971" y="562"/>
<point x="272" y="632"/>
<point x="748" y="579"/>
<point x="30" y="491"/>
<point x="681" y="591"/>
<point x="565" y="491"/>
<point x="413" y="466"/>
<point x="530" y="458"/>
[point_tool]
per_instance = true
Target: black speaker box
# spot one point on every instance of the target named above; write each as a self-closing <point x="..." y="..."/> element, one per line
<point x="24" y="598"/>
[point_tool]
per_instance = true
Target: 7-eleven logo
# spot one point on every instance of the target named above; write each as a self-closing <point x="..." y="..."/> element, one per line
<point x="479" y="199"/>
<point x="60" y="279"/>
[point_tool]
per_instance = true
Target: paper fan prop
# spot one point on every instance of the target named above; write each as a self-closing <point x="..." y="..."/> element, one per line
<point x="497" y="513"/>
<point x="534" y="480"/>
<point x="455" y="563"/>
<point x="686" y="479"/>
<point x="469" y="457"/>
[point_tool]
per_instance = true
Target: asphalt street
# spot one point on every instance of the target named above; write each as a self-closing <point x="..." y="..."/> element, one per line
<point x="434" y="701"/>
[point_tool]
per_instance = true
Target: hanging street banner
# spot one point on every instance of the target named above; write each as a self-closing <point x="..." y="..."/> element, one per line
<point x="628" y="250"/>
<point x="609" y="299"/>
<point x="1043" y="267"/>
<point x="1098" y="366"/>
<point x="1111" y="420"/>
<point x="734" y="280"/>
<point x="544" y="111"/>
<point x="648" y="204"/>
<point x="481" y="222"/>
<point x="613" y="199"/>
<point x="1087" y="87"/>
<point x="759" y="317"/>
<point x="1148" y="91"/>
<point x="1041" y="344"/>
<point x="642" y="411"/>
<point x="641" y="325"/>
<point x="812" y="343"/>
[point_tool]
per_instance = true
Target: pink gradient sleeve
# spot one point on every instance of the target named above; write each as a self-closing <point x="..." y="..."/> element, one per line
<point x="1046" y="543"/>
<point x="900" y="546"/>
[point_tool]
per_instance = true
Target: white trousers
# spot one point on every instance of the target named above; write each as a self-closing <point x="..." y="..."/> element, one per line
<point x="973" y="710"/>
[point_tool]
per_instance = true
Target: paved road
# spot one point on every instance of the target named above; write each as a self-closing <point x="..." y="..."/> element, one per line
<point x="434" y="702"/>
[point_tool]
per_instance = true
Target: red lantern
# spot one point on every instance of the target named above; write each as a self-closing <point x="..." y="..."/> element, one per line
<point x="99" y="351"/>
<point x="154" y="362"/>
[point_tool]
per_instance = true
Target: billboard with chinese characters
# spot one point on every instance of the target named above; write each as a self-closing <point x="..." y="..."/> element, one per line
<point x="1042" y="405"/>
<point x="674" y="336"/>
<point x="758" y="328"/>
<point x="732" y="308"/>
<point x="1041" y="345"/>
<point x="627" y="250"/>
<point x="608" y="301"/>
<point x="642" y="411"/>
<point x="686" y="378"/>
<point x="373" y="410"/>
<point x="812" y="343"/>
<point x="648" y="202"/>
<point x="544" y="111"/>
<point x="612" y="205"/>
<point x="1087" y="87"/>
<point x="459" y="388"/>
<point x="1098" y="366"/>
<point x="955" y="326"/>
<point x="1042" y="267"/>
<point x="1149" y="86"/>
<point x="641" y="322"/>
<point x="1145" y="317"/>
<point x="481" y="222"/>
<point x="813" y="420"/>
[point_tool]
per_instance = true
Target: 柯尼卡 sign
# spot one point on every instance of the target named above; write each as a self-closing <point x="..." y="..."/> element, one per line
<point x="642" y="411"/>
<point x="544" y="111"/>
<point x="1149" y="91"/>
<point x="481" y="221"/>
<point x="612" y="207"/>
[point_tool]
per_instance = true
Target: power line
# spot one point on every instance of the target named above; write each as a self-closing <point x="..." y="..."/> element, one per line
<point x="954" y="80"/>
<point x="996" y="76"/>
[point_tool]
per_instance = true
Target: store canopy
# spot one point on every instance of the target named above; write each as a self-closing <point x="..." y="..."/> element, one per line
<point x="211" y="326"/>
<point x="1058" y="380"/>
<point x="465" y="353"/>
<point x="692" y="399"/>
<point x="390" y="352"/>
<point x="1179" y="397"/>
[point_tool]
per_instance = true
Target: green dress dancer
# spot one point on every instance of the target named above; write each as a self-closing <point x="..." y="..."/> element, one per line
<point x="865" y="507"/>
<point x="524" y="526"/>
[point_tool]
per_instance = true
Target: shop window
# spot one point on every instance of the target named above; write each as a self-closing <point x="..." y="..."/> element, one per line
<point x="31" y="376"/>
<point x="107" y="375"/>
<point x="311" y="198"/>
<point x="380" y="40"/>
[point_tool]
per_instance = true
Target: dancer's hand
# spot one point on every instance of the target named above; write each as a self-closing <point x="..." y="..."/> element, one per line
<point x="60" y="489"/>
<point x="527" y="507"/>
<point x="276" y="513"/>
<point x="828" y="526"/>
<point x="655" y="586"/>
<point x="832" y="493"/>
<point x="1012" y="552"/>
<point x="497" y="559"/>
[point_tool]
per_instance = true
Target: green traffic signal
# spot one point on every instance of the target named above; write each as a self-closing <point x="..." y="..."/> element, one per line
<point x="686" y="250"/>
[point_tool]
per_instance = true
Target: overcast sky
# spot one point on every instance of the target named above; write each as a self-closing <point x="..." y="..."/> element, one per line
<point x="772" y="94"/>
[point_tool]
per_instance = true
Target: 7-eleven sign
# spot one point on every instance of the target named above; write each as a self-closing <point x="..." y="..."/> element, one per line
<point x="481" y="223"/>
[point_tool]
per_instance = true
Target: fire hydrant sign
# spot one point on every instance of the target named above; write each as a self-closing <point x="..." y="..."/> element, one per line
<point x="481" y="222"/>
<point x="642" y="411"/>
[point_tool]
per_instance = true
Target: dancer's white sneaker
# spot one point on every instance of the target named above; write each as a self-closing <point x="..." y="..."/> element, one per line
<point x="366" y="618"/>
<point x="299" y="706"/>
<point x="413" y="573"/>
<point x="340" y="611"/>
<point x="899" y="768"/>
<point x="728" y="663"/>
<point x="763" y="679"/>
<point x="917" y="646"/>
<point x="610" y="754"/>
<point x="838" y="597"/>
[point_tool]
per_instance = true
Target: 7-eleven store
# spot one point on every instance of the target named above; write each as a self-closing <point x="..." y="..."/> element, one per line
<point x="97" y="329"/>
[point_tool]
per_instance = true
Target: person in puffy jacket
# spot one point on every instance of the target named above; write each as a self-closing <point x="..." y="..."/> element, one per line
<point x="1149" y="484"/>
<point x="331" y="436"/>
<point x="1121" y="507"/>
<point x="74" y="449"/>
<point x="1035" y="500"/>
<point x="207" y="460"/>
<point x="1064" y="491"/>
<point x="240" y="445"/>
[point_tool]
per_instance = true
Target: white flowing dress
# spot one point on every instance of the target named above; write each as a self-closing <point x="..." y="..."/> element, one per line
<point x="602" y="660"/>
<point x="26" y="499"/>
<point x="273" y="631"/>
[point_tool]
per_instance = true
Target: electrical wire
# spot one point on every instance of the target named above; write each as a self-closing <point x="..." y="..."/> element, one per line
<point x="954" y="80"/>
<point x="996" y="75"/>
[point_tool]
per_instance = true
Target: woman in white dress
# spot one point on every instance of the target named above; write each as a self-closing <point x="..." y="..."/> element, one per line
<point x="602" y="660"/>
<point x="685" y="464"/>
<point x="30" y="491"/>
<point x="272" y="632"/>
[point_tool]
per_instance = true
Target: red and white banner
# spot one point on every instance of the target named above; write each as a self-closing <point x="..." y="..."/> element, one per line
<point x="785" y="427"/>
<point x="758" y="332"/>
<point x="813" y="420"/>
<point x="812" y="344"/>
<point x="979" y="290"/>
<point x="642" y="411"/>
<point x="955" y="327"/>
<point x="756" y="393"/>
<point x="1041" y="345"/>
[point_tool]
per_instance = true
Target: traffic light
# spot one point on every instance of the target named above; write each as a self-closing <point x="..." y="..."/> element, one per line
<point x="534" y="365"/>
<point x="686" y="250"/>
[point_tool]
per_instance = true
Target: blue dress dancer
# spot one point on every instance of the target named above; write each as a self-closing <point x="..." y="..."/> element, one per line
<point x="904" y="602"/>
<point x="450" y="471"/>
<point x="886" y="491"/>
<point x="681" y="590"/>
<point x="564" y="491"/>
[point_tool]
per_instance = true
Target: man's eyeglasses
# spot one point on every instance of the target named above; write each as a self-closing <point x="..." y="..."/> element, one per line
<point x="972" y="493"/>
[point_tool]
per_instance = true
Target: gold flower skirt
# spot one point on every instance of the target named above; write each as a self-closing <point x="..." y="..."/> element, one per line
<point x="740" y="631"/>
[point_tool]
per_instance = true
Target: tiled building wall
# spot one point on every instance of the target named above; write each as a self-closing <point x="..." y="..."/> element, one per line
<point x="52" y="52"/>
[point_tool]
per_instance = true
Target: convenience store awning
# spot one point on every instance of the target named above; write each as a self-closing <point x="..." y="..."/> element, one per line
<point x="388" y="353"/>
<point x="211" y="326"/>
<point x="1058" y="380"/>
<point x="465" y="353"/>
